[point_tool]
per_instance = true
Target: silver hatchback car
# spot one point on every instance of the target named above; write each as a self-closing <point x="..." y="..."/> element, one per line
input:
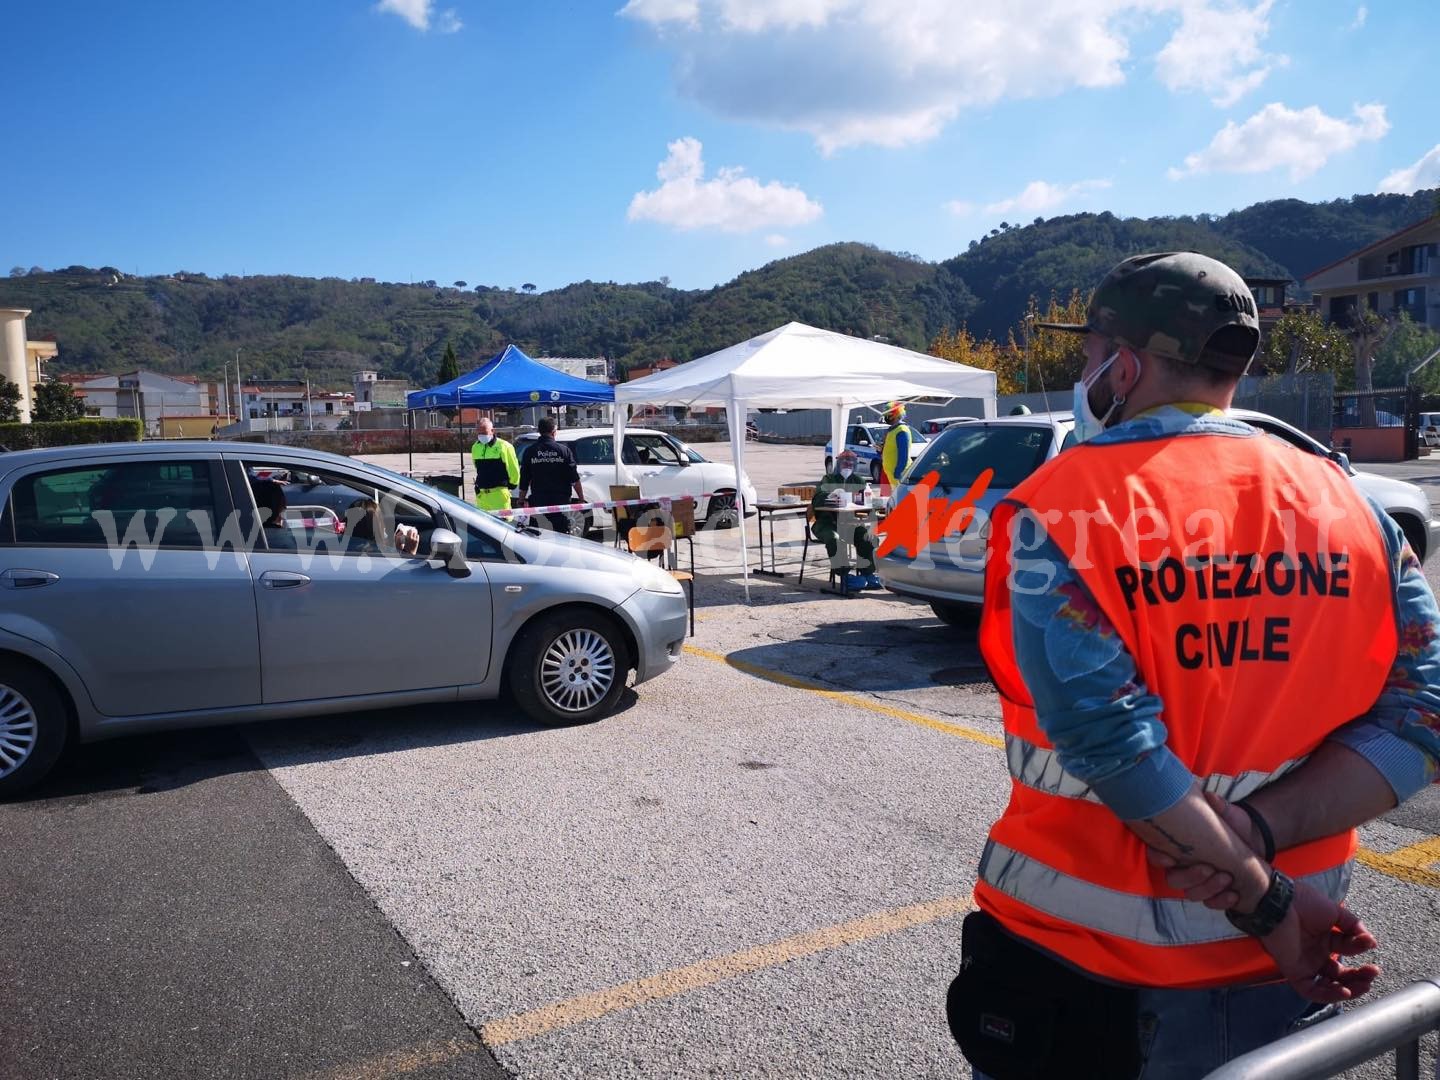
<point x="951" y="575"/>
<point x="158" y="585"/>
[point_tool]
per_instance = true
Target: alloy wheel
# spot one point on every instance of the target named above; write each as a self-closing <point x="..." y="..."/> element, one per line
<point x="577" y="670"/>
<point x="18" y="730"/>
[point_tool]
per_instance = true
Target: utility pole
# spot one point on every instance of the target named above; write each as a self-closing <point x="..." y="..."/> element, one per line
<point x="225" y="382"/>
<point x="309" y="408"/>
<point x="239" y="389"/>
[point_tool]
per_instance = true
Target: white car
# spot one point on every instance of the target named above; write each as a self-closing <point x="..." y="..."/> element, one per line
<point x="661" y="464"/>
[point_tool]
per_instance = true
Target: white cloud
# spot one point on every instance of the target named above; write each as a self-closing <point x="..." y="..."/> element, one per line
<point x="960" y="208"/>
<point x="660" y="12"/>
<point x="1301" y="140"/>
<point x="1361" y="15"/>
<point x="731" y="201"/>
<point x="1217" y="50"/>
<point x="1423" y="174"/>
<point x="775" y="240"/>
<point x="1040" y="196"/>
<point x="421" y="14"/>
<point x="896" y="72"/>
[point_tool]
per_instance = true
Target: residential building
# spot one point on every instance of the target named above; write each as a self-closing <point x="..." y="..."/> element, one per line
<point x="595" y="368"/>
<point x="146" y="395"/>
<point x="1398" y="273"/>
<point x="22" y="361"/>
<point x="379" y="403"/>
<point x="1271" y="300"/>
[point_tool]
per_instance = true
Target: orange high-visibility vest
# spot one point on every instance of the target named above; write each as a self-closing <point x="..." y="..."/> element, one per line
<point x="1261" y="628"/>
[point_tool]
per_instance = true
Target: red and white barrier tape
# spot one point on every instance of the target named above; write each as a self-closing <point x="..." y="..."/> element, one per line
<point x="658" y="500"/>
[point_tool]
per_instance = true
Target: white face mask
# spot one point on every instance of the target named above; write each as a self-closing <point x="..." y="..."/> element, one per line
<point x="1087" y="424"/>
<point x="486" y="439"/>
<point x="846" y="473"/>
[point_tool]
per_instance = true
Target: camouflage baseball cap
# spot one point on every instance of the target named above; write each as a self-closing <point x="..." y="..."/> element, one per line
<point x="1177" y="304"/>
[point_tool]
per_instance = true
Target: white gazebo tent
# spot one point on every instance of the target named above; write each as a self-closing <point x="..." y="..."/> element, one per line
<point x="800" y="367"/>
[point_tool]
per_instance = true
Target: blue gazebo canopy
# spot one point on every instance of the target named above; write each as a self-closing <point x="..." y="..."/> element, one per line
<point x="513" y="379"/>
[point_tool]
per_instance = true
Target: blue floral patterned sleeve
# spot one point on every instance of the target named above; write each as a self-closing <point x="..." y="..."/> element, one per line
<point x="1400" y="735"/>
<point x="1108" y="728"/>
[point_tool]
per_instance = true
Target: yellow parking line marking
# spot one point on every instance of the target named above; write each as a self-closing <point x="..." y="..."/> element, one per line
<point x="400" y="1062"/>
<point x="676" y="981"/>
<point x="1409" y="864"/>
<point x="770" y="675"/>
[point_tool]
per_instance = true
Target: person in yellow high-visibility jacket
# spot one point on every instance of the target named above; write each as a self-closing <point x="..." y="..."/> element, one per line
<point x="895" y="450"/>
<point x="497" y="469"/>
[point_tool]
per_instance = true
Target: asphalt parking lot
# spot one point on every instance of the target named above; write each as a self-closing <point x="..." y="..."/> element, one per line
<point x="756" y="868"/>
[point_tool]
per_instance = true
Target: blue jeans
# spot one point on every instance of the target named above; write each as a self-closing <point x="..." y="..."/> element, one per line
<point x="1185" y="1034"/>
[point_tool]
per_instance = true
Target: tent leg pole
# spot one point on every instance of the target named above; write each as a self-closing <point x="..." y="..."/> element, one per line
<point x="410" y="438"/>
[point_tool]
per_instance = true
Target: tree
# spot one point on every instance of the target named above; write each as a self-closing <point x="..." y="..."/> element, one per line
<point x="459" y="284"/>
<point x="17" y="271"/>
<point x="1303" y="341"/>
<point x="1408" y="344"/>
<point x="1052" y="359"/>
<point x="9" y="401"/>
<point x="449" y="365"/>
<point x="528" y="287"/>
<point x="1368" y="330"/>
<point x="56" y="400"/>
<point x="962" y="348"/>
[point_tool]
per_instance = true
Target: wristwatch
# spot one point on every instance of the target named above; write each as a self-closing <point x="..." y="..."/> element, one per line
<point x="1270" y="911"/>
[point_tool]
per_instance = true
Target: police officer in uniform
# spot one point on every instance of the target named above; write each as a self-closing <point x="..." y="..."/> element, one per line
<point x="548" y="476"/>
<point x="1215" y="658"/>
<point x="496" y="468"/>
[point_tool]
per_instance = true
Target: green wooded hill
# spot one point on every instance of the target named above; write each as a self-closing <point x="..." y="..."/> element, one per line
<point x="188" y="323"/>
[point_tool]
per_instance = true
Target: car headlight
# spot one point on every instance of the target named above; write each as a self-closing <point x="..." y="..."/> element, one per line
<point x="653" y="579"/>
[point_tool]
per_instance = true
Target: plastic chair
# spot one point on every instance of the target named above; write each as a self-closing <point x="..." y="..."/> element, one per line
<point x="648" y="539"/>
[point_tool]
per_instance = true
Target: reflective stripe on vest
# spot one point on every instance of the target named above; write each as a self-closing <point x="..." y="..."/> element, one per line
<point x="1148" y="920"/>
<point x="1039" y="768"/>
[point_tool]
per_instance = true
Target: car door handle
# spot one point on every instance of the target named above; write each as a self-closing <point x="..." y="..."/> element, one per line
<point x="283" y="579"/>
<point x="27" y="579"/>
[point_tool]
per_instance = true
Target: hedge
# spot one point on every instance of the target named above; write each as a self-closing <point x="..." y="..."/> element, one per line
<point x="69" y="433"/>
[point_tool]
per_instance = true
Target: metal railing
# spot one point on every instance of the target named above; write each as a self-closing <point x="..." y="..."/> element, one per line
<point x="1395" y="1022"/>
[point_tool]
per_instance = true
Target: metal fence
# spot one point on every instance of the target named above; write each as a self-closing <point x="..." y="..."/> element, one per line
<point x="1395" y="1022"/>
<point x="1305" y="400"/>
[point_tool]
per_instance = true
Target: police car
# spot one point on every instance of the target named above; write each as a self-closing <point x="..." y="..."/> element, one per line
<point x="867" y="441"/>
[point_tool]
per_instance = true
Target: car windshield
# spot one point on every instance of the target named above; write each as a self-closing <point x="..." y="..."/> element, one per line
<point x="961" y="454"/>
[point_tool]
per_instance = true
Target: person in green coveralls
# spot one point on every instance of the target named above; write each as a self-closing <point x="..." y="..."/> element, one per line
<point x="497" y="470"/>
<point x="845" y="489"/>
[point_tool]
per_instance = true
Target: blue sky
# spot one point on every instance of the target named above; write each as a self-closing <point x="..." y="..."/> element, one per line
<point x="504" y="143"/>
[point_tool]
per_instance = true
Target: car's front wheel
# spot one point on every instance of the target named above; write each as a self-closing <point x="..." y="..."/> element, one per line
<point x="720" y="512"/>
<point x="569" y="667"/>
<point x="33" y="727"/>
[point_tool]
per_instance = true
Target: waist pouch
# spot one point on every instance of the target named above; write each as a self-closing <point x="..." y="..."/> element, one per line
<point x="1019" y="1014"/>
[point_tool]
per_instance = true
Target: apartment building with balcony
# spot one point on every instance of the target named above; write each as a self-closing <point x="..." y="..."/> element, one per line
<point x="1398" y="273"/>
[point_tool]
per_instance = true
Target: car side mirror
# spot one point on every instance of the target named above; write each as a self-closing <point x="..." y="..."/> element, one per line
<point x="1341" y="458"/>
<point x="448" y="549"/>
